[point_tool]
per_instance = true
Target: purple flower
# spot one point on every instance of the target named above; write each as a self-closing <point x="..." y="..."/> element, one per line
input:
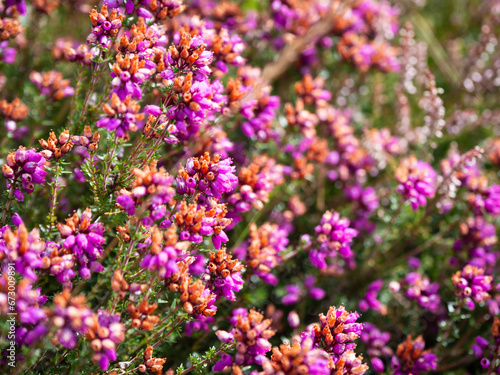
<point x="7" y="54"/>
<point x="59" y="263"/>
<point x="370" y="300"/>
<point x="417" y="181"/>
<point x="251" y="334"/>
<point x="472" y="285"/>
<point x="419" y="288"/>
<point x="411" y="358"/>
<point x="128" y="75"/>
<point x="121" y="116"/>
<point x="25" y="168"/>
<point x="71" y="317"/>
<point x="333" y="237"/>
<point x="52" y="84"/>
<point x="105" y="333"/>
<point x="105" y="26"/>
<point x="31" y="317"/>
<point x="210" y="176"/>
<point x="202" y="323"/>
<point x="377" y="344"/>
<point x="164" y="261"/>
<point x="223" y="276"/>
<point x="19" y="4"/>
<point x="84" y="240"/>
<point x="295" y="293"/>
<point x="22" y="248"/>
<point x="296" y="358"/>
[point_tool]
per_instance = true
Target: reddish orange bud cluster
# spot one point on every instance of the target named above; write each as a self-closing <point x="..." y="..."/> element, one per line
<point x="119" y="284"/>
<point x="139" y="33"/>
<point x="141" y="315"/>
<point x="114" y="17"/>
<point x="15" y="110"/>
<point x="150" y="363"/>
<point x="195" y="298"/>
<point x="162" y="11"/>
<point x="123" y="232"/>
<point x="410" y="351"/>
<point x="262" y="257"/>
<point x="184" y="51"/>
<point x="56" y="147"/>
<point x="45" y="6"/>
<point x="294" y="359"/>
<point x="190" y="217"/>
<point x="9" y="28"/>
<point x="310" y="90"/>
<point x="235" y="93"/>
<point x="222" y="265"/>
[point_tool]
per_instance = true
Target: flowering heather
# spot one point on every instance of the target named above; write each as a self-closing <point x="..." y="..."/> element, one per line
<point x="333" y="236"/>
<point x="56" y="147"/>
<point x="260" y="111"/>
<point x="417" y="181"/>
<point x="163" y="260"/>
<point x="211" y="176"/>
<point x="251" y="333"/>
<point x="128" y="74"/>
<point x="298" y="358"/>
<point x="223" y="275"/>
<point x="151" y="191"/>
<point x="187" y="183"/>
<point x="419" y="288"/>
<point x="370" y="300"/>
<point x="411" y="358"/>
<point x="255" y="183"/>
<point x="188" y="56"/>
<point x="105" y="26"/>
<point x="24" y="169"/>
<point x="264" y="250"/>
<point x="13" y="113"/>
<point x="23" y="249"/>
<point x="195" y="296"/>
<point x="104" y="333"/>
<point x="71" y="316"/>
<point x="52" y="84"/>
<point x="472" y="285"/>
<point x="84" y="239"/>
<point x="196" y="221"/>
<point x="31" y="316"/>
<point x="122" y="116"/>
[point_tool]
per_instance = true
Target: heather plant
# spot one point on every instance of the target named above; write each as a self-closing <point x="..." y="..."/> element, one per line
<point x="249" y="187"/>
